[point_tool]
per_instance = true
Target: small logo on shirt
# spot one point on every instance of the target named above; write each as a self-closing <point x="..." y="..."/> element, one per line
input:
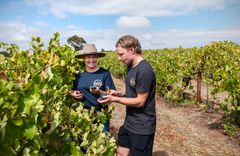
<point x="132" y="82"/>
<point x="97" y="83"/>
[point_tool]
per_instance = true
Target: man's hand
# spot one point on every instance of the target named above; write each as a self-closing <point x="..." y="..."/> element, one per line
<point x="105" y="99"/>
<point x="108" y="99"/>
<point x="76" y="94"/>
<point x="114" y="93"/>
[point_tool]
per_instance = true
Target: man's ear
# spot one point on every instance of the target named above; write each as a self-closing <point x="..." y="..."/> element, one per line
<point x="131" y="50"/>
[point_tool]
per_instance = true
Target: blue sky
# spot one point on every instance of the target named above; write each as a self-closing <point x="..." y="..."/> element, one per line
<point x="157" y="24"/>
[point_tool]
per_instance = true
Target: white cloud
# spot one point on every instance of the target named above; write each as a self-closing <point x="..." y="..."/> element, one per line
<point x="13" y="31"/>
<point x="17" y="32"/>
<point x="189" y="38"/>
<point x="62" y="8"/>
<point x="72" y="27"/>
<point x="20" y="34"/>
<point x="41" y="24"/>
<point x="133" y="22"/>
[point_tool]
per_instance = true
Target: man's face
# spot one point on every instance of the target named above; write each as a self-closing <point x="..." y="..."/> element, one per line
<point x="124" y="55"/>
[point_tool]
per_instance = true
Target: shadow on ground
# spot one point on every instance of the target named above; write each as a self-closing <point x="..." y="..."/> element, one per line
<point x="160" y="153"/>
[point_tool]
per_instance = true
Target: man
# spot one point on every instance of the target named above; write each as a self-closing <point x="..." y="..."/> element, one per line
<point x="136" y="136"/>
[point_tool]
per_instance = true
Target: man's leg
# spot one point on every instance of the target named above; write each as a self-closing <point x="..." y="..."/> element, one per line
<point x="123" y="151"/>
<point x="123" y="142"/>
<point x="141" y="145"/>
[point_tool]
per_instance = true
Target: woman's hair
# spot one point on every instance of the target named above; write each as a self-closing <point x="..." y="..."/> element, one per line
<point x="129" y="41"/>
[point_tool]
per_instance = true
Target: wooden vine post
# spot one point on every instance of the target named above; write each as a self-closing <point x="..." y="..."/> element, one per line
<point x="199" y="82"/>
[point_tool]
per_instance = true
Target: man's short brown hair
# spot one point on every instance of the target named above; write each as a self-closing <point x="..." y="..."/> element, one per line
<point x="129" y="41"/>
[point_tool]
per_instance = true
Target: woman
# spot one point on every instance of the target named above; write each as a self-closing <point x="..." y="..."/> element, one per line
<point x="94" y="81"/>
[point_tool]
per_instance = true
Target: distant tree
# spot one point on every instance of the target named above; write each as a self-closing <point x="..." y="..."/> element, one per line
<point x="76" y="41"/>
<point x="102" y="50"/>
<point x="4" y="53"/>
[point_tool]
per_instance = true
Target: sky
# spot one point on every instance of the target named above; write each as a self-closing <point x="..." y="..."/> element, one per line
<point x="156" y="23"/>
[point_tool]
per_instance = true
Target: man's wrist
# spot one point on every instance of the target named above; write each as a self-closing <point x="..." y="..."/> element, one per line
<point x="116" y="99"/>
<point x="119" y="93"/>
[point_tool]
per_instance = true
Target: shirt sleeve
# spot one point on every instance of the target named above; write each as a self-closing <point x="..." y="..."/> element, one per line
<point x="75" y="82"/>
<point x="144" y="81"/>
<point x="109" y="84"/>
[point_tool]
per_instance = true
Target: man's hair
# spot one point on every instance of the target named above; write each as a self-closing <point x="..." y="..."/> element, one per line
<point x="129" y="41"/>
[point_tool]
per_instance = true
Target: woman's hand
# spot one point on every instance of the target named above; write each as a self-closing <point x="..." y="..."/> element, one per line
<point x="95" y="90"/>
<point x="76" y="94"/>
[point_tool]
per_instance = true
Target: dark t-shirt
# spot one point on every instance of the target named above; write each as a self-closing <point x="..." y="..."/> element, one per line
<point x="101" y="78"/>
<point x="141" y="79"/>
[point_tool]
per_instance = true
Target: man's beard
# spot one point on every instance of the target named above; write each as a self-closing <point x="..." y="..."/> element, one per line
<point x="130" y="64"/>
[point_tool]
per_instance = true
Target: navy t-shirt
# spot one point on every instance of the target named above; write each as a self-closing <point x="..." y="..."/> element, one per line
<point x="101" y="79"/>
<point x="141" y="79"/>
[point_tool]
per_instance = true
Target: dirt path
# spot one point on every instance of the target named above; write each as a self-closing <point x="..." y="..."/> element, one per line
<point x="182" y="131"/>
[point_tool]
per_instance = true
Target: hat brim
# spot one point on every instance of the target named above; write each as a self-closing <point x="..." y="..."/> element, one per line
<point x="81" y="56"/>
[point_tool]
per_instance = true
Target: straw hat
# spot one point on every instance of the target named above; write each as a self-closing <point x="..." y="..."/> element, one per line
<point x="89" y="49"/>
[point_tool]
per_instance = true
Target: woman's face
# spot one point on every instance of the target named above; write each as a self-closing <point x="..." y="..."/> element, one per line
<point x="90" y="61"/>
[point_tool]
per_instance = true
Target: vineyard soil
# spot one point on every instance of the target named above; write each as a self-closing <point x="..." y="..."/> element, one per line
<point x="183" y="131"/>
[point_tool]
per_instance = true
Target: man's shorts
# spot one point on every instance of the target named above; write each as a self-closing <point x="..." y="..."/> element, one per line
<point x="139" y="145"/>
